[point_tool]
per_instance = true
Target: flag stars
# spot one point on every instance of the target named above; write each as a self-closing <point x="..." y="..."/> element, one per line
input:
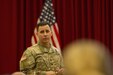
<point x="43" y="10"/>
<point x="45" y="16"/>
<point x="51" y="4"/>
<point x="42" y="13"/>
<point x="45" y="7"/>
<point x="47" y="13"/>
<point x="45" y="20"/>
<point x="52" y="13"/>
<point x="50" y="23"/>
<point x="53" y="21"/>
<point x="54" y="18"/>
<point x="46" y="4"/>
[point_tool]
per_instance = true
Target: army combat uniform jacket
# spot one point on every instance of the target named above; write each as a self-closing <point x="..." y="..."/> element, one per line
<point x="38" y="59"/>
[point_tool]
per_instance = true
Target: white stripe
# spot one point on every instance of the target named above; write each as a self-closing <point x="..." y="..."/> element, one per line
<point x="55" y="39"/>
<point x="34" y="36"/>
<point x="32" y="40"/>
<point x="57" y="27"/>
<point x="38" y="21"/>
<point x="35" y="32"/>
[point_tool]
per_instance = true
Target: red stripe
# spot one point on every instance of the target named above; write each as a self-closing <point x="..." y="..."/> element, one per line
<point x="57" y="34"/>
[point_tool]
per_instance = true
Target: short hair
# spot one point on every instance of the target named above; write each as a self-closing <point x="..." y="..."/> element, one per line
<point x="42" y="24"/>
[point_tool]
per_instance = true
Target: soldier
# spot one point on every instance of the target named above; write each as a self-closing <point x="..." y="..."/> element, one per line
<point x="42" y="58"/>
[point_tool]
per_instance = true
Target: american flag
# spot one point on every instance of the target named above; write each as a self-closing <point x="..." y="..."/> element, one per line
<point x="47" y="14"/>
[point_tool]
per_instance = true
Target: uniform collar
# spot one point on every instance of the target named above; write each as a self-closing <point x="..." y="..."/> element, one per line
<point x="44" y="49"/>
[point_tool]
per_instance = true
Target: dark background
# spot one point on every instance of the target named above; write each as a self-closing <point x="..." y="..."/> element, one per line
<point x="77" y="19"/>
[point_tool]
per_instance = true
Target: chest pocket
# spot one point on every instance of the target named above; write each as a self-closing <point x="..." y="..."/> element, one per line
<point x="48" y="61"/>
<point x="41" y="62"/>
<point x="54" y="61"/>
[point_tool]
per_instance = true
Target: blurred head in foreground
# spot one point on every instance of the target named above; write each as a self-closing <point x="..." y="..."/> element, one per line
<point x="18" y="73"/>
<point x="87" y="57"/>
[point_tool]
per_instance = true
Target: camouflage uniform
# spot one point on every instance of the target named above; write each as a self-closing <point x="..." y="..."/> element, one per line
<point x="38" y="59"/>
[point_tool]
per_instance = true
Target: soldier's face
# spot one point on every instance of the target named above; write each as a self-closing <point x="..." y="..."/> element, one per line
<point x="44" y="34"/>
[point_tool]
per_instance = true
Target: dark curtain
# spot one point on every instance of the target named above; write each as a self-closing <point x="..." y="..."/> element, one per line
<point x="77" y="19"/>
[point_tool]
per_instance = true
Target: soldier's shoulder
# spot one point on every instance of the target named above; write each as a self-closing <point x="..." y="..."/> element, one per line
<point x="56" y="49"/>
<point x="34" y="48"/>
